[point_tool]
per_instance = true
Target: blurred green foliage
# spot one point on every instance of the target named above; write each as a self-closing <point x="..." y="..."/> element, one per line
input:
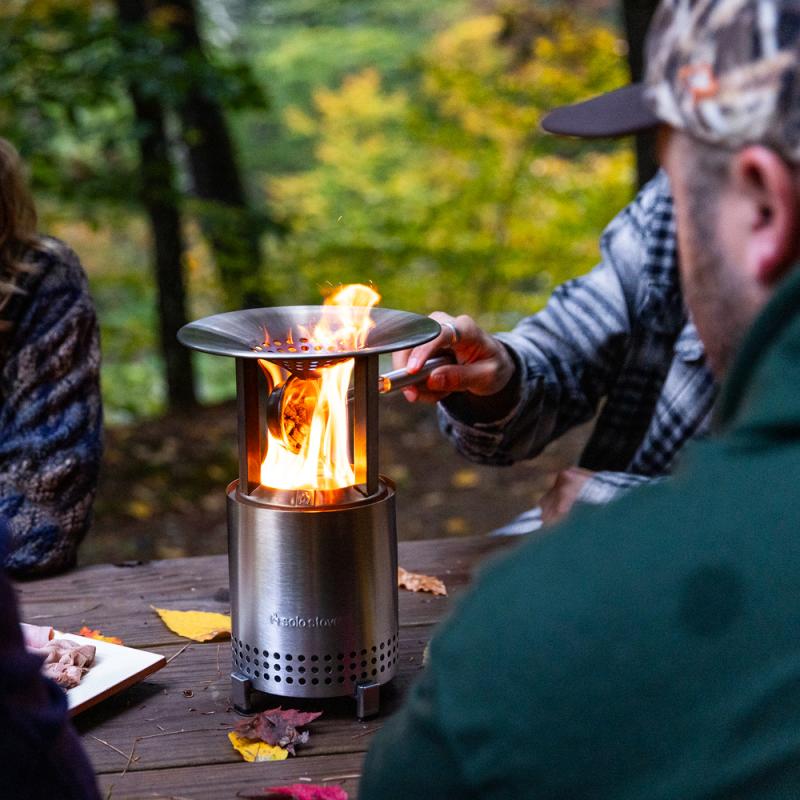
<point x="397" y="142"/>
<point x="64" y="68"/>
<point x="445" y="193"/>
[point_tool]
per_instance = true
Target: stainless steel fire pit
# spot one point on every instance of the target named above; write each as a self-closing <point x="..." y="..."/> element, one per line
<point x="313" y="573"/>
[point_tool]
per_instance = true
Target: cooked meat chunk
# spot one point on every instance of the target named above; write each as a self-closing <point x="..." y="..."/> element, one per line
<point x="65" y="675"/>
<point x="65" y="661"/>
<point x="36" y="635"/>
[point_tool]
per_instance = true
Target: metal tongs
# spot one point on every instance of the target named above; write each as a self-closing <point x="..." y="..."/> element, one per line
<point x="291" y="404"/>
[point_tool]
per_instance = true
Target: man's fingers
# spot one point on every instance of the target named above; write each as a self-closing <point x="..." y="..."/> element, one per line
<point x="476" y="378"/>
<point x="458" y="334"/>
<point x="445" y="340"/>
<point x="411" y="393"/>
<point x="419" y="355"/>
<point x="400" y="358"/>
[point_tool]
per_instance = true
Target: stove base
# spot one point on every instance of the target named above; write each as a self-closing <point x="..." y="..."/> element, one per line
<point x="367" y="696"/>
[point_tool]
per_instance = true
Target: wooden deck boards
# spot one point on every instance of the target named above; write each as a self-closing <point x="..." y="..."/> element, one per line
<point x="167" y="736"/>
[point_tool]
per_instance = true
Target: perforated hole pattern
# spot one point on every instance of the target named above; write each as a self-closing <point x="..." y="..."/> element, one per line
<point x="314" y="669"/>
<point x="302" y="347"/>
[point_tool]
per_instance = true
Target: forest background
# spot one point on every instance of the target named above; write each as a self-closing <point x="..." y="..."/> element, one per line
<point x="204" y="155"/>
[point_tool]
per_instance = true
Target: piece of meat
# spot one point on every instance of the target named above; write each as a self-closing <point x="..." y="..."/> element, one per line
<point x="65" y="651"/>
<point x="36" y="635"/>
<point x="74" y="654"/>
<point x="65" y="675"/>
<point x="65" y="661"/>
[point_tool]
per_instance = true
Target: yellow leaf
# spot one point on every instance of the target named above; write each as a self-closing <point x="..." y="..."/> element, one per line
<point x="256" y="750"/>
<point x="465" y="479"/>
<point x="139" y="509"/>
<point x="201" y="626"/>
<point x="456" y="526"/>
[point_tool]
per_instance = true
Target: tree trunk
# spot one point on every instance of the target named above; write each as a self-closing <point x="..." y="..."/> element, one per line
<point x="637" y="15"/>
<point x="161" y="203"/>
<point x="232" y="230"/>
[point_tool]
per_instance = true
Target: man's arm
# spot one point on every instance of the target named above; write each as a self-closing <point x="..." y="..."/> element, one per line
<point x="412" y="757"/>
<point x="50" y="420"/>
<point x="576" y="485"/>
<point x="566" y="357"/>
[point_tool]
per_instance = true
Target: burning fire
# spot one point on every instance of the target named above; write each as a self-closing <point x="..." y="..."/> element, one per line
<point x="323" y="462"/>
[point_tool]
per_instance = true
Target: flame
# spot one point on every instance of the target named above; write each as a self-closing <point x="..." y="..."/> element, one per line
<point x="323" y="462"/>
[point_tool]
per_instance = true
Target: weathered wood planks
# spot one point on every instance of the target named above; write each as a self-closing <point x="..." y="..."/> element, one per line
<point x="167" y="736"/>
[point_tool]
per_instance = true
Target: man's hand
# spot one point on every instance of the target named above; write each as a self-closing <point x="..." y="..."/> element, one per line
<point x="558" y="501"/>
<point x="484" y="366"/>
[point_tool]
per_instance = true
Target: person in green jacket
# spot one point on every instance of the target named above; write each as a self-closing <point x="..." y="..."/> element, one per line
<point x="651" y="649"/>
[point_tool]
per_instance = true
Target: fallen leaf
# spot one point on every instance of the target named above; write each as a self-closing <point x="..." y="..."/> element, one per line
<point x="278" y="727"/>
<point x="456" y="526"/>
<point x="306" y="791"/>
<point x="139" y="509"/>
<point x="253" y="750"/>
<point x="465" y="479"/>
<point x="415" y="582"/>
<point x="200" y="626"/>
<point x="95" y="634"/>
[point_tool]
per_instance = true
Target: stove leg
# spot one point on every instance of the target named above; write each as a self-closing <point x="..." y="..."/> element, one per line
<point x="241" y="692"/>
<point x="368" y="699"/>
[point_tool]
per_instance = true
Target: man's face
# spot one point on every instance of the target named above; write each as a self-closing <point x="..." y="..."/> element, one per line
<point x="717" y="288"/>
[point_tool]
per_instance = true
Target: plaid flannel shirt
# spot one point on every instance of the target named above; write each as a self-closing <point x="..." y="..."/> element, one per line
<point x="622" y="333"/>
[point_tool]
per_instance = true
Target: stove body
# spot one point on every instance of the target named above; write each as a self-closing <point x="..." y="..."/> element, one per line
<point x="313" y="599"/>
<point x="313" y="574"/>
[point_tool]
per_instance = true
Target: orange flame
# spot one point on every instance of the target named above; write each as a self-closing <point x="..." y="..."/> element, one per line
<point x="323" y="462"/>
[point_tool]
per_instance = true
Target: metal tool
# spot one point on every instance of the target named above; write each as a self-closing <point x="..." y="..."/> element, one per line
<point x="290" y="405"/>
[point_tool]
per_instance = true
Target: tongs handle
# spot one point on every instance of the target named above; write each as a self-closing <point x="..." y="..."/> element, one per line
<point x="398" y="379"/>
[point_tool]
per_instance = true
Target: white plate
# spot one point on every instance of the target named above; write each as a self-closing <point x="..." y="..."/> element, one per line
<point x="115" y="668"/>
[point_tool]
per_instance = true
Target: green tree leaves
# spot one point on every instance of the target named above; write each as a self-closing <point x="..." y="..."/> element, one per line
<point x="445" y="192"/>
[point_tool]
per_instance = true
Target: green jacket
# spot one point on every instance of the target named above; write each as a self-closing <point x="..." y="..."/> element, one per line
<point x="649" y="650"/>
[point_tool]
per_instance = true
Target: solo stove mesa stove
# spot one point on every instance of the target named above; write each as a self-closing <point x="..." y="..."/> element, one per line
<point x="313" y="565"/>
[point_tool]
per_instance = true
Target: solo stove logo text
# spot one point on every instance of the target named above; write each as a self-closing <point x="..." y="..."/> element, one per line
<point x="302" y="622"/>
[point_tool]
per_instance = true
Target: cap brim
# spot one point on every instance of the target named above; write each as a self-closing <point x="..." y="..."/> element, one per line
<point x="616" y="113"/>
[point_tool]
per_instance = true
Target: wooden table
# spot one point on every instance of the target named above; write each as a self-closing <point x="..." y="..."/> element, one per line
<point x="166" y="737"/>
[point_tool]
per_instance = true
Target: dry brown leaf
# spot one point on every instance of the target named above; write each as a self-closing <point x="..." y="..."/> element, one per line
<point x="278" y="727"/>
<point x="415" y="582"/>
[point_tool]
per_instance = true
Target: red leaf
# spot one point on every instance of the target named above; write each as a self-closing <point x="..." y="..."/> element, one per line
<point x="278" y="727"/>
<point x="306" y="791"/>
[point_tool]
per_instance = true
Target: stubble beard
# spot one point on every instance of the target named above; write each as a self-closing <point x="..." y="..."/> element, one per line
<point x="712" y="292"/>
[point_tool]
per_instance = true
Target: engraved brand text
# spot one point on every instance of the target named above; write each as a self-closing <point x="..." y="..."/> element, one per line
<point x="303" y="622"/>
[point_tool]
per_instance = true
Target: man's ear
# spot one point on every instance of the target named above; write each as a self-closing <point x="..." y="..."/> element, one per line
<point x="766" y="184"/>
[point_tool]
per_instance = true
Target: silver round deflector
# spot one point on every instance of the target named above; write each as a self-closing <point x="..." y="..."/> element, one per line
<point x="284" y="333"/>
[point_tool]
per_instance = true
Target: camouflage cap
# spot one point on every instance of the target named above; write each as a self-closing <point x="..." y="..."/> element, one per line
<point x="724" y="71"/>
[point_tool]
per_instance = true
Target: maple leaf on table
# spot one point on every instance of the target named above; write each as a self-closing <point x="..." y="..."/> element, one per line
<point x="305" y="791"/>
<point x="278" y="727"/>
<point x="95" y="634"/>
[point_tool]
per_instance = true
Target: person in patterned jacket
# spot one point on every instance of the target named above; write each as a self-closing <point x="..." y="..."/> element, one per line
<point x="50" y="409"/>
<point x="619" y="337"/>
